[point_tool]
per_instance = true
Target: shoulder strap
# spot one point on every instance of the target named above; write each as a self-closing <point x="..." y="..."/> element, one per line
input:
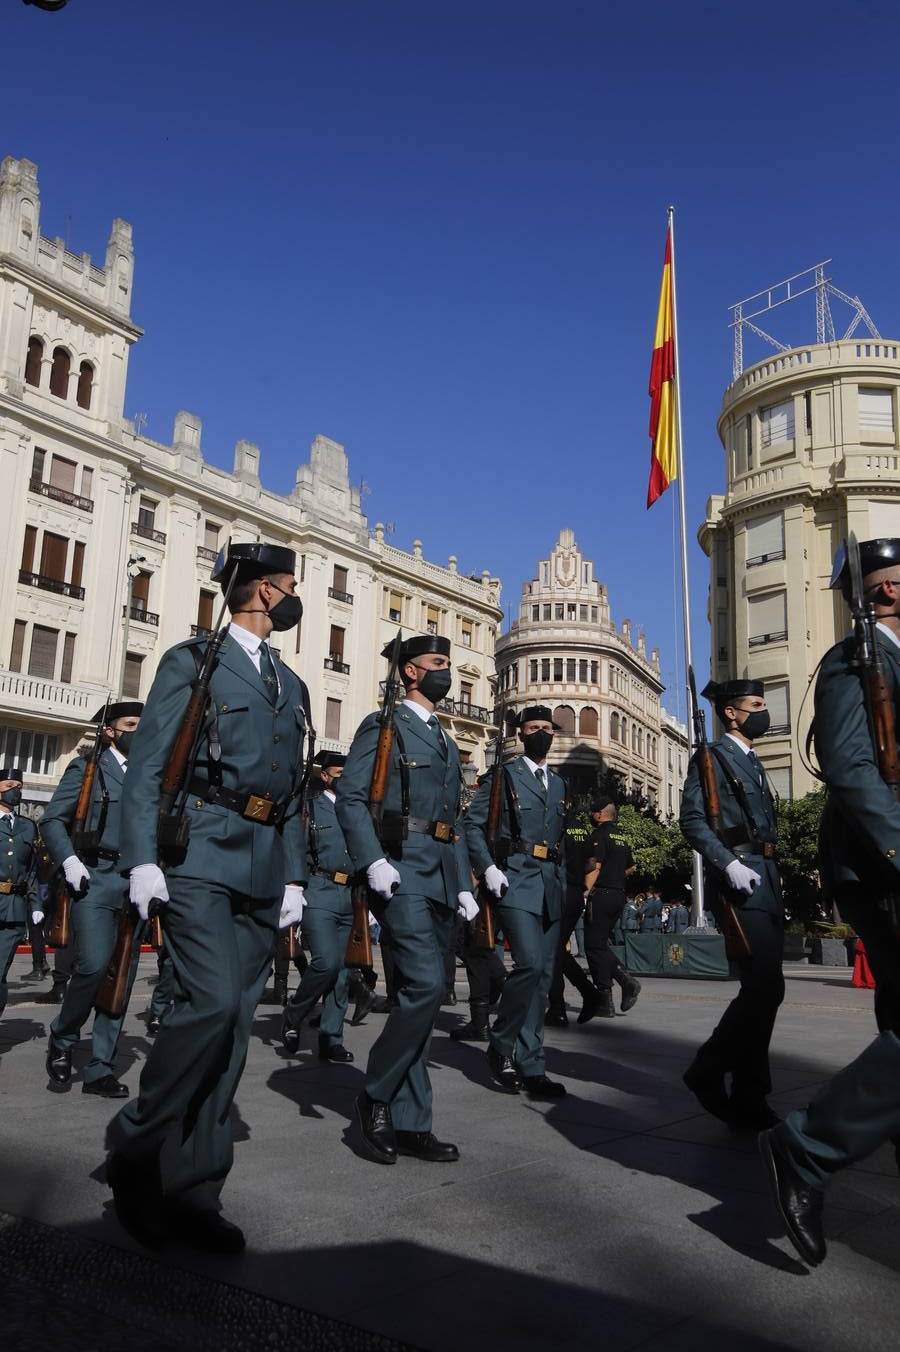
<point x="736" y="787"/>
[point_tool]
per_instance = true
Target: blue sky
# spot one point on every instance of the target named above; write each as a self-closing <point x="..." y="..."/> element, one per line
<point x="433" y="230"/>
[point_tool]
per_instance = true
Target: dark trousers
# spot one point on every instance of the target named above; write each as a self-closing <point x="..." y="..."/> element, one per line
<point x="38" y="945"/>
<point x="740" y="1042"/>
<point x="484" y="968"/>
<point x="565" y="966"/>
<point x="518" y="1030"/>
<point x="221" y="944"/>
<point x="164" y="990"/>
<point x="604" y="907"/>
<point x="11" y="935"/>
<point x="326" y="975"/>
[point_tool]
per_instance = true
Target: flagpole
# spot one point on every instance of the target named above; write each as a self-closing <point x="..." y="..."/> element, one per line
<point x="697" y="892"/>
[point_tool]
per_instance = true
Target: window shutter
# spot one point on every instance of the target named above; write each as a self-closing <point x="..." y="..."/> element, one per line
<point x="876" y="409"/>
<point x="42" y="661"/>
<point x="777" y="423"/>
<point x="768" y="617"/>
<point x="765" y="538"/>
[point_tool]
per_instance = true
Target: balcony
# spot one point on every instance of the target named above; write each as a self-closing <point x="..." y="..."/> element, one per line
<point x="200" y="631"/>
<point x="208" y="555"/>
<point x="157" y="537"/>
<point x="458" y="708"/>
<point x="45" y="700"/>
<point x="336" y="663"/>
<point x="143" y="616"/>
<point x="60" y="495"/>
<point x="759" y="559"/>
<point x="758" y="640"/>
<point x="51" y="584"/>
<point x="336" y="595"/>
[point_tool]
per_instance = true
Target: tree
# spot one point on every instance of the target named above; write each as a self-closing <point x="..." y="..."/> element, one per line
<point x="798" y="858"/>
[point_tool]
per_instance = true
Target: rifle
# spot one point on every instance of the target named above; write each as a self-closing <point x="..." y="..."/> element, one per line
<point x="83" y="841"/>
<point x="173" y="825"/>
<point x="482" y="927"/>
<point x="359" y="944"/>
<point x="737" y="945"/>
<point x="287" y="939"/>
<point x="876" y="694"/>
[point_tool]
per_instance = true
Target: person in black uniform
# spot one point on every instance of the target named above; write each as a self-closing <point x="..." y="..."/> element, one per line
<point x="609" y="862"/>
<point x="18" y="845"/>
<point x="741" y="869"/>
<point x="566" y="967"/>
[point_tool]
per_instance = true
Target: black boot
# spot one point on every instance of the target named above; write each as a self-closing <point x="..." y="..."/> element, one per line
<point x="476" y="1030"/>
<point x="280" y="990"/>
<point x="449" y="996"/>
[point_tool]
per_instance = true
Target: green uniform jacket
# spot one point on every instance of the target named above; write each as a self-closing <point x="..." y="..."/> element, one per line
<point x="16" y="864"/>
<point x="541" y="821"/>
<point x="106" y="886"/>
<point x="327" y="850"/>
<point x="860" y="835"/>
<point x="427" y="867"/>
<point x="262" y="753"/>
<point x="766" y="896"/>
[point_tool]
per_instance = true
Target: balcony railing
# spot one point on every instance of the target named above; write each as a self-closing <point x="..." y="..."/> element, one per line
<point x="337" y="664"/>
<point x="210" y="555"/>
<point x="336" y="595"/>
<point x="51" y="584"/>
<point x="765" y="558"/>
<point x="758" y="640"/>
<point x="778" y="730"/>
<point x="148" y="533"/>
<point x="460" y="708"/>
<point x="41" y="698"/>
<point x="200" y="631"/>
<point x="60" y="495"/>
<point x="141" y="615"/>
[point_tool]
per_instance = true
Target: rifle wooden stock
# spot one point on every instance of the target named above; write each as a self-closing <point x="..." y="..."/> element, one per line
<point x="59" y="933"/>
<point x="482" y="927"/>
<point x="112" y="996"/>
<point x="737" y="945"/>
<point x="287" y="943"/>
<point x="155" y="931"/>
<point x="359" y="943"/>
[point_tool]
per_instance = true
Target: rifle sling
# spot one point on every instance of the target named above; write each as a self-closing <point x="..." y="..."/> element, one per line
<point x="736" y="834"/>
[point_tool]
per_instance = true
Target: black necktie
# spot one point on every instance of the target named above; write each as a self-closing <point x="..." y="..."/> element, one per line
<point x="436" y="729"/>
<point x="539" y="776"/>
<point x="757" y="768"/>
<point x="267" y="671"/>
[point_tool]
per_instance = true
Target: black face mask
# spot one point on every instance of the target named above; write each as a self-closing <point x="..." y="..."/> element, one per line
<point x="434" y="685"/>
<point x="11" y="797"/>
<point x="285" y="613"/>
<point x="755" y="724"/>
<point x="123" y="742"/>
<point x="537" y="744"/>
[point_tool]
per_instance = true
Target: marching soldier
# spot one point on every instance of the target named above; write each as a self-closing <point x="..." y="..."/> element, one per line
<point x="241" y="878"/>
<point x="18" y="845"/>
<point x="418" y="875"/>
<point x="327" y="921"/>
<point x="530" y="901"/>
<point x="742" y="859"/>
<point x="98" y="893"/>
<point x="859" y="850"/>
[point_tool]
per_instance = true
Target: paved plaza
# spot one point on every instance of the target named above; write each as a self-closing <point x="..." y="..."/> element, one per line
<point x="617" y="1218"/>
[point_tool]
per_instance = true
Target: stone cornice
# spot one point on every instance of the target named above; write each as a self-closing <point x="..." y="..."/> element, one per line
<point x="49" y="290"/>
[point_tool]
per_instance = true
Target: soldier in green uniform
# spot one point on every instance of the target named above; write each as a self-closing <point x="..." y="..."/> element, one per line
<point x="18" y="837"/>
<point x="171" y="1148"/>
<point x="742" y="870"/>
<point x="98" y="895"/>
<point x="327" y="920"/>
<point x="419" y="875"/>
<point x="859" y="851"/>
<point x="530" y="902"/>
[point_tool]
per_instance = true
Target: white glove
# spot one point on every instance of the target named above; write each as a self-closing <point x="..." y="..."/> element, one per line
<point x="292" y="906"/>
<point x="468" y="906"/>
<point x="495" y="880"/>
<point x="742" y="878"/>
<point x="76" y="874"/>
<point x="383" y="878"/>
<point x="37" y="917"/>
<point x="147" y="883"/>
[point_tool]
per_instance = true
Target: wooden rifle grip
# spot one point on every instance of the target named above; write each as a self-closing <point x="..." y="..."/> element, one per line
<point x="359" y="941"/>
<point x="381" y="765"/>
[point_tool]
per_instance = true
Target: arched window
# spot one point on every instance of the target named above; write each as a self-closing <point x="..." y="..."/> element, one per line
<point x="34" y="361"/>
<point x="614" y="727"/>
<point x="634" y="732"/>
<point x="587" y="722"/>
<point x="59" y="373"/>
<point x="85" y="384"/>
<point x="623" y="737"/>
<point x="564" y="715"/>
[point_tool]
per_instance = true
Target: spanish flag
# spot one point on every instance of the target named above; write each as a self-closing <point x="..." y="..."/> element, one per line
<point x="663" y="431"/>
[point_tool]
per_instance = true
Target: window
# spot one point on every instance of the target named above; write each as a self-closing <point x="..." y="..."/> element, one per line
<point x="876" y="409"/>
<point x="211" y="536"/>
<point x="545" y="668"/>
<point x="36" y="751"/>
<point x="432" y="616"/>
<point x="558" y="611"/>
<point x="333" y="718"/>
<point x="395" y="607"/>
<point x="777" y="423"/>
<point x="37" y="464"/>
<point x="778" y="701"/>
<point x="18" y="646"/>
<point x="614" y="727"/>
<point x="87" y="481"/>
<point x="131" y="681"/>
<point x="593" y="673"/>
<point x="85" y="385"/>
<point x="583" y="670"/>
<point x="53" y="556"/>
<point x="564" y="715"/>
<point x="748" y="441"/>
<point x="147" y="516"/>
<point x="77" y="565"/>
<point x="59" y="373"/>
<point x="570" y="610"/>
<point x="532" y="670"/>
<point x="594" y="613"/>
<point x="535" y="612"/>
<point x="140" y="594"/>
<point x="767" y="619"/>
<point x="465" y="695"/>
<point x="42" y="659"/>
<point x="34" y="361"/>
<point x="336" y="643"/>
<point x="765" y="539"/>
<point x="68" y="659"/>
<point x="557" y="668"/>
<point x="205" y="604"/>
<point x="780" y="780"/>
<point x="582" y="614"/>
<point x="547" y="612"/>
<point x="466" y="633"/>
<point x="62" y="473"/>
<point x="28" y="545"/>
<point x="587" y="722"/>
<point x="570" y="668"/>
<point x="339" y="578"/>
<point x="297" y="630"/>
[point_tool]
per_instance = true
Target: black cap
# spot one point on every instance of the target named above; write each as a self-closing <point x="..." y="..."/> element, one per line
<point x="601" y="801"/>
<point x="329" y="760"/>
<point x="721" y="693"/>
<point x="124" y="709"/>
<point x="535" y="712"/>
<point x="873" y="556"/>
<point x="416" y="646"/>
<point x="12" y="772"/>
<point x="253" y="560"/>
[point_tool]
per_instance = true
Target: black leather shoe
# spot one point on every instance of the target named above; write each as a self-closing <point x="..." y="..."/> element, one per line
<point x="556" y="1019"/>
<point x="207" y="1231"/>
<point x="383" y="1004"/>
<point x="599" y="1006"/>
<point x="36" y="974"/>
<point x="137" y="1198"/>
<point x="752" y="1116"/>
<point x="106" y="1087"/>
<point x="709" y="1091"/>
<point x="503" y="1071"/>
<point x="424" y="1145"/>
<point x="59" y="1063"/>
<point x="631" y="989"/>
<point x="334" y="1051"/>
<point x="54" y="996"/>
<point x="290" y="1037"/>
<point x="365" y="1002"/>
<point x="154" y="1023"/>
<point x="799" y="1204"/>
<point x="538" y="1086"/>
<point x="379" y="1140"/>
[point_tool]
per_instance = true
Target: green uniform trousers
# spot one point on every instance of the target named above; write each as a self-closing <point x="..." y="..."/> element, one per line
<point x="518" y="1030"/>
<point x="326" y="934"/>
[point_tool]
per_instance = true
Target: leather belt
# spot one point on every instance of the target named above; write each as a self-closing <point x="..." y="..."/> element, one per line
<point x="766" y="848"/>
<point x="536" y="851"/>
<point x="255" y="807"/>
<point x="101" y="852"/>
<point x="440" y="831"/>
<point x="344" y="879"/>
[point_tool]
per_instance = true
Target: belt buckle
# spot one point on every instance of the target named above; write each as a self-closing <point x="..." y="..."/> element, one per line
<point x="443" y="831"/>
<point x="541" y="851"/>
<point x="6" y="887"/>
<point x="258" y="809"/>
<point x="342" y="878"/>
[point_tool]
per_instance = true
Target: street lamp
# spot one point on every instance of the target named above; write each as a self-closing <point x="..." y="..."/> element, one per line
<point x="132" y="570"/>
